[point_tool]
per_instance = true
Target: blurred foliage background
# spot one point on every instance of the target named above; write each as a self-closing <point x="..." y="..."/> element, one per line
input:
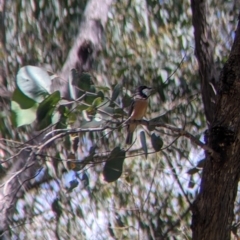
<point x="146" y="43"/>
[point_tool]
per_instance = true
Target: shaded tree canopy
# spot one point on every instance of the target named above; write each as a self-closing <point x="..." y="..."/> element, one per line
<point x="56" y="154"/>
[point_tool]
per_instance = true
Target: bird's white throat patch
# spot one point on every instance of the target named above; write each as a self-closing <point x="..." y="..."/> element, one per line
<point x="147" y="91"/>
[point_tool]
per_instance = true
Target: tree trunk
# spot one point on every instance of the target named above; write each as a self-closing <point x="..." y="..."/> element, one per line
<point x="204" y="50"/>
<point x="88" y="43"/>
<point x="213" y="209"/>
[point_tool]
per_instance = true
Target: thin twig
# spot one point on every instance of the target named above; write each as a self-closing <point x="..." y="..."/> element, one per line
<point x="178" y="67"/>
<point x="180" y="131"/>
<point x="177" y="179"/>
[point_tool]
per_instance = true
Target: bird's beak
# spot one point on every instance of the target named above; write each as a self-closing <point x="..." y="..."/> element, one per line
<point x="148" y="91"/>
<point x="152" y="91"/>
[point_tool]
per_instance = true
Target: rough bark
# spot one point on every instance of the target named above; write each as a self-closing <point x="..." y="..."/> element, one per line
<point x="14" y="186"/>
<point x="204" y="50"/>
<point x="2" y="27"/>
<point x="88" y="43"/>
<point x="213" y="209"/>
<point x="4" y="93"/>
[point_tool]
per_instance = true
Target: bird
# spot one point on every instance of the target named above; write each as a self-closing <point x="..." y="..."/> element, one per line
<point x="137" y="110"/>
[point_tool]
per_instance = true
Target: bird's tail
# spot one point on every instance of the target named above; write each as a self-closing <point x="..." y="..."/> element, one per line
<point x="129" y="138"/>
<point x="131" y="128"/>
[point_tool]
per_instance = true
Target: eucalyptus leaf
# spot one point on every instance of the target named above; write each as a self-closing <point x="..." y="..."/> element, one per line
<point x="57" y="207"/>
<point x="82" y="107"/>
<point x="191" y="183"/>
<point x="47" y="105"/>
<point x="157" y="142"/>
<point x="85" y="82"/>
<point x="90" y="124"/>
<point x="193" y="171"/>
<point x="101" y="95"/>
<point x="144" y="143"/>
<point x="201" y="163"/>
<point x="64" y="117"/>
<point x="46" y="109"/>
<point x="24" y="109"/>
<point x="85" y="180"/>
<point x="114" y="165"/>
<point x="116" y="92"/>
<point x="103" y="88"/>
<point x="126" y="101"/>
<point x="97" y="101"/>
<point x="164" y="75"/>
<point x="33" y="82"/>
<point x="73" y="184"/>
<point x="118" y="113"/>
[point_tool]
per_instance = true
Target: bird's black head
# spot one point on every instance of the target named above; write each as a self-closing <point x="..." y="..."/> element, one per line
<point x="144" y="91"/>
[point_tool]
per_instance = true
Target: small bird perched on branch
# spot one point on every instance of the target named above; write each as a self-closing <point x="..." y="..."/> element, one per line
<point x="138" y="109"/>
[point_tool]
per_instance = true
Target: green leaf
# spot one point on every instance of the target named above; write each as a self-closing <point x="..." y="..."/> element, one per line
<point x="33" y="82"/>
<point x="85" y="82"/>
<point x="193" y="171"/>
<point x="57" y="207"/>
<point x="85" y="180"/>
<point x="191" y="183"/>
<point x="118" y="113"/>
<point x="48" y="104"/>
<point x="102" y="88"/>
<point x="92" y="110"/>
<point x="73" y="184"/>
<point x="201" y="163"/>
<point x="116" y="91"/>
<point x="3" y="171"/>
<point x="114" y="165"/>
<point x="90" y="124"/>
<point x="24" y="109"/>
<point x="107" y="109"/>
<point x="64" y="117"/>
<point x="106" y="112"/>
<point x="126" y="101"/>
<point x="45" y="122"/>
<point x="97" y="101"/>
<point x="82" y="107"/>
<point x="144" y="143"/>
<point x="161" y="90"/>
<point x="164" y="75"/>
<point x="158" y="119"/>
<point x="46" y="109"/>
<point x="157" y="142"/>
<point x="101" y="95"/>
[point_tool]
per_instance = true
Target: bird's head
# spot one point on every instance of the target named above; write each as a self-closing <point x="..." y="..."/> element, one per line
<point x="144" y="91"/>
